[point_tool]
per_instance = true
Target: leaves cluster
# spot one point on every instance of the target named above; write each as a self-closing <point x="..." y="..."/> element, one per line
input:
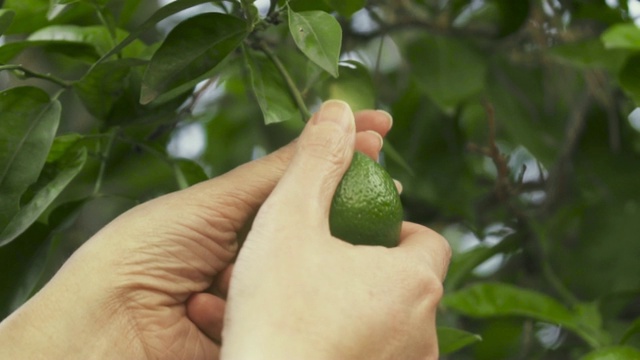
<point x="514" y="135"/>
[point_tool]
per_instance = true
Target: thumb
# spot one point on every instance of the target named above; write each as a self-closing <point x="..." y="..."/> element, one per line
<point x="323" y="154"/>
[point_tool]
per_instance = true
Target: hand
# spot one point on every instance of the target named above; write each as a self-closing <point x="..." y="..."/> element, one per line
<point x="299" y="293"/>
<point x="142" y="287"/>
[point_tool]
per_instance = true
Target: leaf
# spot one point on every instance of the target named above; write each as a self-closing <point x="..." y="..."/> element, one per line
<point x="590" y="54"/>
<point x="346" y="8"/>
<point x="18" y="263"/>
<point x="451" y="340"/>
<point x="6" y="18"/>
<point x="160" y="14"/>
<point x="29" y="15"/>
<point x="628" y="76"/>
<point x="622" y="36"/>
<point x="613" y="353"/>
<point x="495" y="299"/>
<point x="319" y="36"/>
<point x="211" y="37"/>
<point x="28" y="123"/>
<point x="446" y="69"/>
<point x="354" y="86"/>
<point x="272" y="95"/>
<point x="633" y="329"/>
<point x="188" y="172"/>
<point x="100" y="88"/>
<point x="58" y="176"/>
<point x="81" y="42"/>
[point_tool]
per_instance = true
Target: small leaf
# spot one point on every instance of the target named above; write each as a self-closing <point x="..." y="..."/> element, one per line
<point x="494" y="299"/>
<point x="346" y="8"/>
<point x="58" y="175"/>
<point x="628" y="77"/>
<point x="354" y="86"/>
<point x="272" y="95"/>
<point x="18" y="266"/>
<point x="446" y="69"/>
<point x="211" y="37"/>
<point x="590" y="54"/>
<point x="6" y="18"/>
<point x="160" y="14"/>
<point x="101" y="87"/>
<point x="451" y="340"/>
<point x="188" y="172"/>
<point x="622" y="36"/>
<point x="613" y="353"/>
<point x="28" y="123"/>
<point x="319" y="36"/>
<point x="633" y="329"/>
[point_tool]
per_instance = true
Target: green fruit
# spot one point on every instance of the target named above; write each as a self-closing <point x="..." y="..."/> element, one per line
<point x="366" y="208"/>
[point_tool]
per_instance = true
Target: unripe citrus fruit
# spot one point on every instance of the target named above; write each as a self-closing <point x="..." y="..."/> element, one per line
<point x="366" y="208"/>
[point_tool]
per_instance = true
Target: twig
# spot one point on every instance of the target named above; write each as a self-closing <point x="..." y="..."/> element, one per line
<point x="293" y="89"/>
<point x="32" y="74"/>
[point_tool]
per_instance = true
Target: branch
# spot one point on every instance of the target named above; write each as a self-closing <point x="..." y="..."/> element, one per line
<point x="32" y="74"/>
<point x="293" y="89"/>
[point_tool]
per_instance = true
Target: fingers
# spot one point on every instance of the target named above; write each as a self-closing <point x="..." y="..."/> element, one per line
<point x="323" y="154"/>
<point x="369" y="143"/>
<point x="379" y="121"/>
<point x="427" y="246"/>
<point x="206" y="311"/>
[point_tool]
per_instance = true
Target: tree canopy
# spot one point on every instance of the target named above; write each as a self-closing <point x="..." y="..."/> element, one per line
<point x="516" y="135"/>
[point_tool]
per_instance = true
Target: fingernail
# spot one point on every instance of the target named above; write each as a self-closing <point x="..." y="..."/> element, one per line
<point x="388" y="117"/>
<point x="336" y="111"/>
<point x="398" y="186"/>
<point x="378" y="136"/>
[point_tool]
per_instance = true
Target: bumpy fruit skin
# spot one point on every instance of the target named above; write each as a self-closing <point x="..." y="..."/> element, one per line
<point x="366" y="207"/>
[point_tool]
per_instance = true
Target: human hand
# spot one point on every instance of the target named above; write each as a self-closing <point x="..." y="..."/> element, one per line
<point x="299" y="293"/>
<point x="143" y="287"/>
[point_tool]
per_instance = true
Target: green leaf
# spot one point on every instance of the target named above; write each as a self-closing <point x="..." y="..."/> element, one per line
<point x="160" y="14"/>
<point x="446" y="69"/>
<point x="6" y="18"/>
<point x="633" y="329"/>
<point x="80" y="42"/>
<point x="346" y="8"/>
<point x="590" y="54"/>
<point x="451" y="340"/>
<point x="188" y="172"/>
<point x="20" y="266"/>
<point x="28" y="123"/>
<point x="29" y="15"/>
<point x="622" y="36"/>
<point x="101" y="87"/>
<point x="613" y="353"/>
<point x="354" y="85"/>
<point x="272" y="95"/>
<point x="494" y="299"/>
<point x="628" y="77"/>
<point x="319" y="36"/>
<point x="212" y="36"/>
<point x="56" y="176"/>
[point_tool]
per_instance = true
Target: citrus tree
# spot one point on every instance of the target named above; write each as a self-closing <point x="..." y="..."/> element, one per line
<point x="516" y="135"/>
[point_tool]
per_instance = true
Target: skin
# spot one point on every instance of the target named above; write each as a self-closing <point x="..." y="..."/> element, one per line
<point x="165" y="280"/>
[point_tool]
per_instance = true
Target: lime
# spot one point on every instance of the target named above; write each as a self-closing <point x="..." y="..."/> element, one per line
<point x="366" y="207"/>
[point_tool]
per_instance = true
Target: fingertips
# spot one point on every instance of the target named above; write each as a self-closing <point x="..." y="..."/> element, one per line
<point x="206" y="311"/>
<point x="379" y="121"/>
<point x="426" y="246"/>
<point x="369" y="143"/>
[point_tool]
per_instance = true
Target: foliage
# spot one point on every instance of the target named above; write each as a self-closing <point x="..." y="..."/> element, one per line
<point x="514" y="135"/>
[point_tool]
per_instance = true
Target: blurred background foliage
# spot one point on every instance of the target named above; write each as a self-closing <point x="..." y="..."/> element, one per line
<point x="516" y="135"/>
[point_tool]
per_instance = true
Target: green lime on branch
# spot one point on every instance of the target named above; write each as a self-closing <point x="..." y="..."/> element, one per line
<point x="366" y="207"/>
